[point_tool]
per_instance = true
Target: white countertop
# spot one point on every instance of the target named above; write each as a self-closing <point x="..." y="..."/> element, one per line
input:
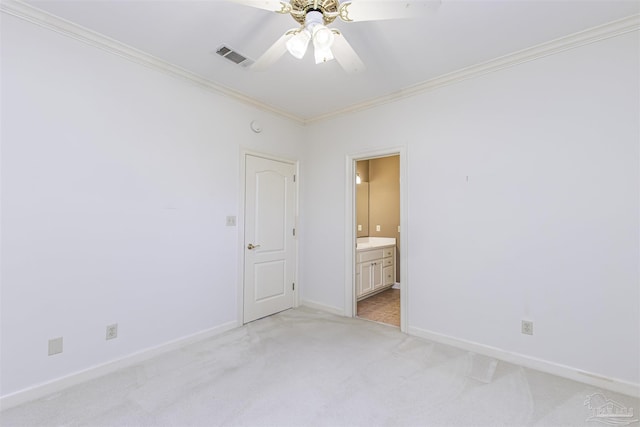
<point x="374" y="242"/>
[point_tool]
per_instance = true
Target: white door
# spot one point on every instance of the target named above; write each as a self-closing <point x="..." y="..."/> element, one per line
<point x="269" y="237"/>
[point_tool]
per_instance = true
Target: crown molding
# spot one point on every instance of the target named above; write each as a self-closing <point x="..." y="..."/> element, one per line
<point x="46" y="20"/>
<point x="572" y="41"/>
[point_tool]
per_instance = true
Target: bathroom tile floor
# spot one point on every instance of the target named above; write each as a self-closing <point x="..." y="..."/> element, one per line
<point x="383" y="307"/>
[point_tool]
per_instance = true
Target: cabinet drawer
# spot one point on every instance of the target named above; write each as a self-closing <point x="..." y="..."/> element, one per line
<point x="369" y="255"/>
<point x="388" y="275"/>
<point x="387" y="262"/>
<point x="388" y="252"/>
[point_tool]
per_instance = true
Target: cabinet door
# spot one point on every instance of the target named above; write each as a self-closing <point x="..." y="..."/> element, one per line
<point x="376" y="274"/>
<point x="364" y="278"/>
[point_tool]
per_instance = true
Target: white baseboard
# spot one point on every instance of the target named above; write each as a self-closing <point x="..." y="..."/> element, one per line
<point x="322" y="307"/>
<point x="41" y="390"/>
<point x="564" y="371"/>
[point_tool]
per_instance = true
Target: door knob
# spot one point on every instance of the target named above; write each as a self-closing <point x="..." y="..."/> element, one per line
<point x="252" y="246"/>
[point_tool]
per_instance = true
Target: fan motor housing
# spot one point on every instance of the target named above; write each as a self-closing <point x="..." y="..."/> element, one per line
<point x="301" y="7"/>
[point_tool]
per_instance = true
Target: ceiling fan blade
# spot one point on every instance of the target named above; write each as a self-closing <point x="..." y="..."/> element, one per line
<point x="270" y="5"/>
<point x="274" y="52"/>
<point x="374" y="10"/>
<point x="345" y="55"/>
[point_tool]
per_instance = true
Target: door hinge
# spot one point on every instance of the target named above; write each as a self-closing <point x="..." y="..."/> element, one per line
<point x="293" y="286"/>
<point x="294" y="178"/>
<point x="294" y="232"/>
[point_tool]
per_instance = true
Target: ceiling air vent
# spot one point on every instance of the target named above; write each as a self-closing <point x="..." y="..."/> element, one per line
<point x="233" y="56"/>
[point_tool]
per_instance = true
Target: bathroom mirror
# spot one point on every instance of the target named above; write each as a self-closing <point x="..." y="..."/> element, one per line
<point x="362" y="209"/>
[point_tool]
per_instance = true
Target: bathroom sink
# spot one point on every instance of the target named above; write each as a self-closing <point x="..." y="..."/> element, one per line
<point x="374" y="242"/>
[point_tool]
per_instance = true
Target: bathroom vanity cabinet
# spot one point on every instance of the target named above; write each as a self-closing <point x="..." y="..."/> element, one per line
<point x="375" y="270"/>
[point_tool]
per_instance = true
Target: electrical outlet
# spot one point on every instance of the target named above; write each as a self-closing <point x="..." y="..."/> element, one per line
<point x="55" y="346"/>
<point x="359" y="227"/>
<point x="377" y="228"/>
<point x="231" y="221"/>
<point x="112" y="331"/>
<point x="527" y="327"/>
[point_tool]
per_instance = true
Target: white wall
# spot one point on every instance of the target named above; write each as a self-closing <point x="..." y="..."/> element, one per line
<point x="545" y="229"/>
<point x="116" y="181"/>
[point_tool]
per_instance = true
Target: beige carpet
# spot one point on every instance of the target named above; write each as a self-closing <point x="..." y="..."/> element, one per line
<point x="308" y="368"/>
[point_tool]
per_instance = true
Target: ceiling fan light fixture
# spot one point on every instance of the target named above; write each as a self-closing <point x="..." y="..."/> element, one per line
<point x="322" y="37"/>
<point x="322" y="55"/>
<point x="297" y="45"/>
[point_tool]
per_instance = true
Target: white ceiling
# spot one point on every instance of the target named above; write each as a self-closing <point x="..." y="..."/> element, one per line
<point x="397" y="54"/>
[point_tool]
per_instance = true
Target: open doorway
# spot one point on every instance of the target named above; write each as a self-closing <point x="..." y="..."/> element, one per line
<point x="377" y="218"/>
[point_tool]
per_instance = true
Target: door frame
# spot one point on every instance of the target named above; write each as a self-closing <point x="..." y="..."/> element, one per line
<point x="240" y="225"/>
<point x="350" y="300"/>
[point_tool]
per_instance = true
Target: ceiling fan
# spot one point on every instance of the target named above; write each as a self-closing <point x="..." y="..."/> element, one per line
<point x="314" y="16"/>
